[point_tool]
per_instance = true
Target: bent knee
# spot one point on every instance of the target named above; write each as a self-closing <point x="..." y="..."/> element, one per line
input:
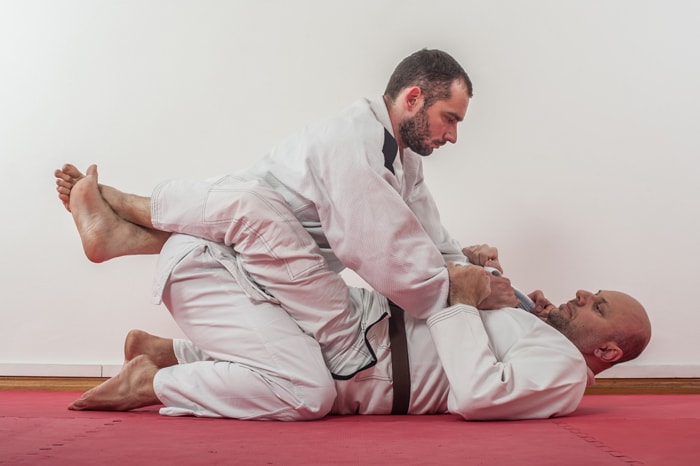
<point x="314" y="402"/>
<point x="259" y="201"/>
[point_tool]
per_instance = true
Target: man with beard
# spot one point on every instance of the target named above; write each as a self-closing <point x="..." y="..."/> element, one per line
<point x="354" y="182"/>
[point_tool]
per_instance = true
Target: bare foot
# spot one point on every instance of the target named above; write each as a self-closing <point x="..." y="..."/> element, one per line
<point x="103" y="233"/>
<point x="66" y="177"/>
<point x="158" y="349"/>
<point x="132" y="388"/>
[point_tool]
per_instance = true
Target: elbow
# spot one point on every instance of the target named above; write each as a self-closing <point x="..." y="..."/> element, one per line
<point x="537" y="403"/>
<point x="475" y="411"/>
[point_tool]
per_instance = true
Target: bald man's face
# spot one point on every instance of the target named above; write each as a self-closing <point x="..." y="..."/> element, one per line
<point x="589" y="319"/>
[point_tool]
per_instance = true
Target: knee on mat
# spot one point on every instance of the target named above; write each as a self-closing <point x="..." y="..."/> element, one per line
<point x="316" y="402"/>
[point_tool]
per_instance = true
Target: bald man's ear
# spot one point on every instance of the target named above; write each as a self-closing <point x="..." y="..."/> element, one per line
<point x="608" y="352"/>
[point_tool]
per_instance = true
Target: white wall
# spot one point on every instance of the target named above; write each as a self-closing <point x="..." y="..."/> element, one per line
<point x="578" y="158"/>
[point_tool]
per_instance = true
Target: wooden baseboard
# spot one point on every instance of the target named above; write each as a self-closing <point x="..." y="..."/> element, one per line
<point x="601" y="387"/>
<point x="645" y="386"/>
<point x="64" y="384"/>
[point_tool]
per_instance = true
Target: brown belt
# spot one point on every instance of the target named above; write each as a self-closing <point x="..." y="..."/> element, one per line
<point x="401" y="373"/>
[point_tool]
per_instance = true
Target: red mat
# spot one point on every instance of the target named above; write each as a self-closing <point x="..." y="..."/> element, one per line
<point x="36" y="428"/>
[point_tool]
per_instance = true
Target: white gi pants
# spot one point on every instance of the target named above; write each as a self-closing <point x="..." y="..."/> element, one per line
<point x="268" y="243"/>
<point x="255" y="362"/>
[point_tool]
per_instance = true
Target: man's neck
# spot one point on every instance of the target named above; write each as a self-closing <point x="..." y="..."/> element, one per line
<point x="394" y="118"/>
<point x="595" y="365"/>
<point x="591" y="377"/>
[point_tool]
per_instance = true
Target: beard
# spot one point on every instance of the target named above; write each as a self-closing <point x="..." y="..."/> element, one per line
<point x="583" y="339"/>
<point x="559" y="322"/>
<point x="415" y="133"/>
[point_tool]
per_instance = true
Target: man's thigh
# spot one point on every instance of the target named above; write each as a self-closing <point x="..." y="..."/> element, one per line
<point x="229" y="318"/>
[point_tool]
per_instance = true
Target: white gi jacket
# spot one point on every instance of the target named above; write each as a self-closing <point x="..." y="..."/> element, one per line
<point x="385" y="226"/>
<point x="494" y="365"/>
<point x="335" y="176"/>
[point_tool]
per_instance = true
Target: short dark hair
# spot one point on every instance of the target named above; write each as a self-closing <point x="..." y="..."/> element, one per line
<point x="433" y="71"/>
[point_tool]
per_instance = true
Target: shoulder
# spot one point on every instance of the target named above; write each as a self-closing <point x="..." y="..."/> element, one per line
<point x="512" y="328"/>
<point x="357" y="122"/>
<point x="352" y="134"/>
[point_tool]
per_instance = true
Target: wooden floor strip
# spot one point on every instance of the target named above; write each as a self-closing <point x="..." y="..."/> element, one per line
<point x="601" y="387"/>
<point x="645" y="386"/>
<point x="67" y="384"/>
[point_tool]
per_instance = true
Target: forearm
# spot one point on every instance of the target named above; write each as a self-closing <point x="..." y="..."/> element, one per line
<point x="418" y="281"/>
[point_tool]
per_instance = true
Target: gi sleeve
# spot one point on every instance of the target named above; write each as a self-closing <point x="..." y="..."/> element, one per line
<point x="374" y="232"/>
<point x="423" y="205"/>
<point x="539" y="376"/>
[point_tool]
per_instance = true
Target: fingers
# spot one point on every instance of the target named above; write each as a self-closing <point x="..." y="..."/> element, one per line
<point x="542" y="304"/>
<point x="484" y="255"/>
<point x="501" y="294"/>
<point x="480" y="253"/>
<point x="495" y="263"/>
<point x="539" y="298"/>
